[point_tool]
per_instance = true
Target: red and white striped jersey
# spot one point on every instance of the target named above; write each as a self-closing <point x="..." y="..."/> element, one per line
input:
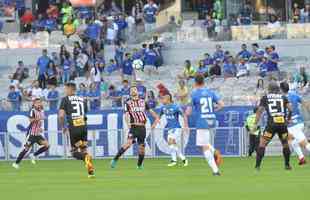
<point x="36" y="127"/>
<point x="136" y="110"/>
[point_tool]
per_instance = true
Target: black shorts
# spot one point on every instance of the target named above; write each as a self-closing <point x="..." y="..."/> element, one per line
<point x="77" y="135"/>
<point x="138" y="134"/>
<point x="34" y="139"/>
<point x="272" y="130"/>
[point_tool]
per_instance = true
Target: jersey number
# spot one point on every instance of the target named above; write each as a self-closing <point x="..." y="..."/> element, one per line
<point x="276" y="106"/>
<point x="78" y="108"/>
<point x="206" y="105"/>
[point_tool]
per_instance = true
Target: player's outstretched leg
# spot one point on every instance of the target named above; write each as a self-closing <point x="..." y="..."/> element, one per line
<point x="208" y="152"/>
<point x="141" y="156"/>
<point x="297" y="149"/>
<point x="43" y="149"/>
<point x="20" y="157"/>
<point x="120" y="152"/>
<point x="81" y="154"/>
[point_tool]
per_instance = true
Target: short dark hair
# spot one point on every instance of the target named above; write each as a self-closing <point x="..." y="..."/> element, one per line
<point x="255" y="45"/>
<point x="125" y="81"/>
<point x="273" y="87"/>
<point x="71" y="85"/>
<point x="199" y="79"/>
<point x="285" y="87"/>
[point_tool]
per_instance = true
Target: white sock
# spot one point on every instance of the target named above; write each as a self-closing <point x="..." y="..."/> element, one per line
<point x="179" y="153"/>
<point x="210" y="158"/>
<point x="308" y="147"/>
<point x="297" y="149"/>
<point x="173" y="152"/>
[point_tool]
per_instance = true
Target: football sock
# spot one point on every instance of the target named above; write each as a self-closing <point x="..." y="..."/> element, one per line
<point x="308" y="147"/>
<point x="179" y="153"/>
<point x="21" y="156"/>
<point x="140" y="159"/>
<point x="286" y="155"/>
<point x="173" y="152"/>
<point x="259" y="156"/>
<point x="120" y="152"/>
<point x="41" y="150"/>
<point x="210" y="159"/>
<point x="296" y="147"/>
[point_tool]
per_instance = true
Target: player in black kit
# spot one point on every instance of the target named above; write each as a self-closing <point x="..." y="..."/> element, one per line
<point x="279" y="113"/>
<point x="75" y="109"/>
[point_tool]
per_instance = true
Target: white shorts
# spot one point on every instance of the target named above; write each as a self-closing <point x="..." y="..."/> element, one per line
<point x="174" y="134"/>
<point x="297" y="132"/>
<point x="203" y="137"/>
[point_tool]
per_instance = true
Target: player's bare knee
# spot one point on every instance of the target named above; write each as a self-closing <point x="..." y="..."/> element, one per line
<point x="142" y="148"/>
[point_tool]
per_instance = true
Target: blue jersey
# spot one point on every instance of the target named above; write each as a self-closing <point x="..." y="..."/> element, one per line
<point x="172" y="113"/>
<point x="203" y="101"/>
<point x="295" y="100"/>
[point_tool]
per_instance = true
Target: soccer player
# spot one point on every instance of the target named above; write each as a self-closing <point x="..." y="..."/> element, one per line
<point x="296" y="125"/>
<point x="279" y="112"/>
<point x="74" y="108"/>
<point x="172" y="112"/>
<point x="205" y="103"/>
<point x="34" y="133"/>
<point x="135" y="116"/>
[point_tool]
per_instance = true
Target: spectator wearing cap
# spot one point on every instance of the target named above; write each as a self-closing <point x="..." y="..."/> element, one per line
<point x="52" y="97"/>
<point x="244" y="53"/>
<point x="272" y="59"/>
<point x="150" y="11"/>
<point x="243" y="68"/>
<point x="42" y="65"/>
<point x="14" y="98"/>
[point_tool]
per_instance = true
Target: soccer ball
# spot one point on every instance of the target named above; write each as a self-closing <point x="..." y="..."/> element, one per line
<point x="137" y="64"/>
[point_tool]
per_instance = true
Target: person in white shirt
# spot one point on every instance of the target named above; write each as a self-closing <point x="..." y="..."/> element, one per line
<point x="95" y="75"/>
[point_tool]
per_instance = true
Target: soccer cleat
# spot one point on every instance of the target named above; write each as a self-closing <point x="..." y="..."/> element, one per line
<point x="257" y="168"/>
<point x="185" y="163"/>
<point x="89" y="164"/>
<point x="288" y="167"/>
<point x="172" y="164"/>
<point x="113" y="163"/>
<point x="140" y="167"/>
<point x="302" y="161"/>
<point x="33" y="159"/>
<point x="218" y="158"/>
<point x="91" y="174"/>
<point x="15" y="165"/>
<point x="217" y="174"/>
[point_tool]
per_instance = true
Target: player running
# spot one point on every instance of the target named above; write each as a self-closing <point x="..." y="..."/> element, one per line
<point x="205" y="103"/>
<point x="34" y="133"/>
<point x="135" y="116"/>
<point x="75" y="109"/>
<point x="296" y="126"/>
<point x="172" y="112"/>
<point x="279" y="112"/>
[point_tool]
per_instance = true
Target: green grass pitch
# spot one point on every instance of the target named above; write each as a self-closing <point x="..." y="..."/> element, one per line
<point x="67" y="180"/>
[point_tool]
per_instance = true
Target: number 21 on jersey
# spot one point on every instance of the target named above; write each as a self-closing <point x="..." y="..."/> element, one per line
<point x="206" y="105"/>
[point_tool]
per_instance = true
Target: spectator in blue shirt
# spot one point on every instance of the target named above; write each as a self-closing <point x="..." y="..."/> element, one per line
<point x="51" y="73"/>
<point x="111" y="67"/>
<point x="219" y="53"/>
<point x="244" y="53"/>
<point x="273" y="59"/>
<point x="246" y="14"/>
<point x="38" y="24"/>
<point x="141" y="88"/>
<point x="14" y="98"/>
<point x="42" y="65"/>
<point x="115" y="96"/>
<point x="229" y="68"/>
<point x="263" y="67"/>
<point x="93" y="31"/>
<point x="82" y="92"/>
<point x="208" y="60"/>
<point x="50" y="24"/>
<point x="94" y="97"/>
<point x="125" y="90"/>
<point x="119" y="53"/>
<point x="257" y="54"/>
<point x="122" y="25"/>
<point x="53" y="97"/>
<point x="20" y="7"/>
<point x="150" y="11"/>
<point x="151" y="100"/>
<point x="150" y="58"/>
<point x="127" y="68"/>
<point x="66" y="68"/>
